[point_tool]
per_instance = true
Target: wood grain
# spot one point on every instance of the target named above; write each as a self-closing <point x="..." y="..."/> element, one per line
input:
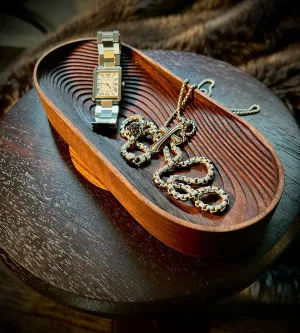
<point x="24" y="310"/>
<point x="76" y="244"/>
<point x="84" y="170"/>
<point x="247" y="166"/>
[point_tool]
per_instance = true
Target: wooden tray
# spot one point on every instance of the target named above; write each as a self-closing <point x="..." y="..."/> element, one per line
<point x="247" y="166"/>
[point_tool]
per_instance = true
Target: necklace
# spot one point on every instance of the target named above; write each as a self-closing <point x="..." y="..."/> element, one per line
<point x="167" y="139"/>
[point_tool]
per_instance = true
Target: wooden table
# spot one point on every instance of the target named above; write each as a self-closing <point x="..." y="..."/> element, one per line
<point x="76" y="244"/>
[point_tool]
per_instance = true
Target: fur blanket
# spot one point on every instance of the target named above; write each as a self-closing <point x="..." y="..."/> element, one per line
<point x="258" y="36"/>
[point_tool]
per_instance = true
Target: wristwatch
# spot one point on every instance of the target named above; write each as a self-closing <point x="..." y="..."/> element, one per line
<point x="107" y="83"/>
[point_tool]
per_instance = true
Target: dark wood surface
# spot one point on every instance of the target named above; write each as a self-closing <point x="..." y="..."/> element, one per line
<point x="76" y="243"/>
<point x="246" y="165"/>
<point x="25" y="311"/>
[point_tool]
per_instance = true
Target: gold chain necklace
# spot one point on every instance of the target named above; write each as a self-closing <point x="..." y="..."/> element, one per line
<point x="167" y="139"/>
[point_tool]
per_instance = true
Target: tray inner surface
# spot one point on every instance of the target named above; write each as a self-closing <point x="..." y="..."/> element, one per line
<point x="246" y="168"/>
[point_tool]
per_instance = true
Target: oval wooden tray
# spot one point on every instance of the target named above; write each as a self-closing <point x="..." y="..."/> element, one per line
<point x="247" y="166"/>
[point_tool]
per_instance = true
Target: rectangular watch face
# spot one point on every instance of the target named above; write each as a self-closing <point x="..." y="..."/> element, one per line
<point x="107" y="83"/>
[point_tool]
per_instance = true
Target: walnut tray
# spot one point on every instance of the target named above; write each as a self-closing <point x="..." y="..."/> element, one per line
<point x="247" y="165"/>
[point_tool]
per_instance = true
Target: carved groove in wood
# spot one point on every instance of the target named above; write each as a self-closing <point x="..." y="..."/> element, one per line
<point x="247" y="166"/>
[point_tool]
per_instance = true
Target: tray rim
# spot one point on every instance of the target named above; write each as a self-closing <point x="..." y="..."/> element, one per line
<point x="166" y="215"/>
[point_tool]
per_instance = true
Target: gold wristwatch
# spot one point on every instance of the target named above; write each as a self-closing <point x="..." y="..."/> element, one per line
<point x="108" y="83"/>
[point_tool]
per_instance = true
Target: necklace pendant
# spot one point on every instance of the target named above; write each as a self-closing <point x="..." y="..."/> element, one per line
<point x="168" y="134"/>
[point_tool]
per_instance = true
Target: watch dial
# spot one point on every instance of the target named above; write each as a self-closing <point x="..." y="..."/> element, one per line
<point x="108" y="85"/>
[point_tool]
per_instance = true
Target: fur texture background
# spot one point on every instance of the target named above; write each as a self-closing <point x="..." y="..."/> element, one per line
<point x="259" y="36"/>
